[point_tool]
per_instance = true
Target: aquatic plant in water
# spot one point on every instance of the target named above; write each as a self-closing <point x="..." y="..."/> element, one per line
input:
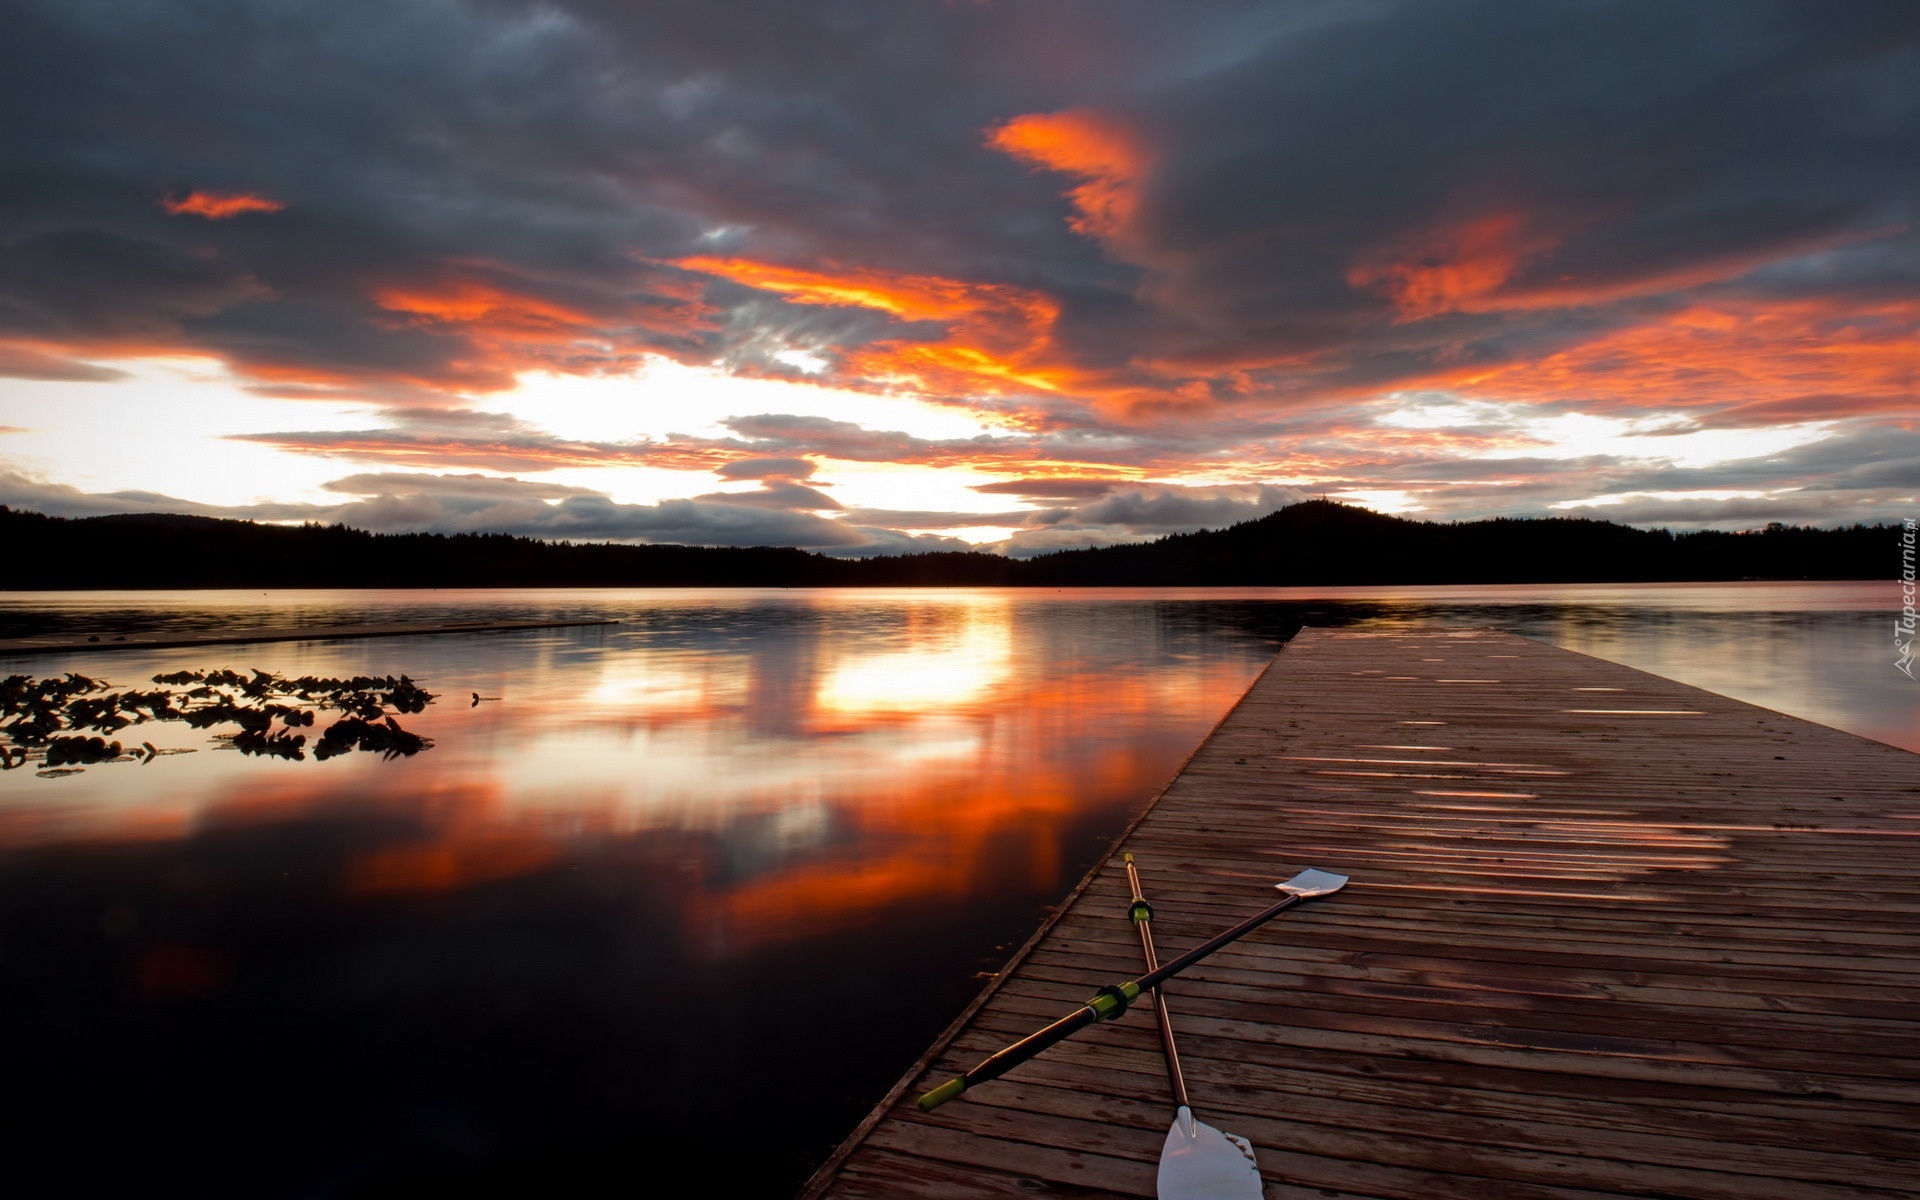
<point x="48" y="720"/>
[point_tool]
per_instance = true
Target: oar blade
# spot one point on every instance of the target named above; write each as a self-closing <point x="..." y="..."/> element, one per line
<point x="1311" y="882"/>
<point x="1199" y="1162"/>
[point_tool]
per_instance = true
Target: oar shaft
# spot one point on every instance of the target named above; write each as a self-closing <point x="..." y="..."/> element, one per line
<point x="1108" y="1003"/>
<point x="1165" y="971"/>
<point x="1142" y="914"/>
<point x="1006" y="1060"/>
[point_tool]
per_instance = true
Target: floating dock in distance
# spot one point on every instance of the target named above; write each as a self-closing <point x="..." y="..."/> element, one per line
<point x="70" y="643"/>
<point x="1607" y="936"/>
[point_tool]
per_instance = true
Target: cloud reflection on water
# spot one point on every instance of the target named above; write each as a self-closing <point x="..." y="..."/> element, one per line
<point x="849" y="760"/>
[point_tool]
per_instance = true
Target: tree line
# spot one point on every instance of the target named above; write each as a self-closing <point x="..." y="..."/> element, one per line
<point x="1315" y="543"/>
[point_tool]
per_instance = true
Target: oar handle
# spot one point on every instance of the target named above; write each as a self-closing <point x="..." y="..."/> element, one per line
<point x="1107" y="1003"/>
<point x="1142" y="915"/>
<point x="1139" y="912"/>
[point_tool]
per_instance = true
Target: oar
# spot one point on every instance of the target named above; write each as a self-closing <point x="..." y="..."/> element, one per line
<point x="1111" y="1001"/>
<point x="1198" y="1162"/>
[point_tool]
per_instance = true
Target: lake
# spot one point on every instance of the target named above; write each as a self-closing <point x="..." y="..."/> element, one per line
<point x="698" y="885"/>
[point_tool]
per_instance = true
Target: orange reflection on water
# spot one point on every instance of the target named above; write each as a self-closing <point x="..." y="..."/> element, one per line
<point x="998" y="809"/>
<point x="454" y="861"/>
<point x="947" y="669"/>
<point x="797" y="768"/>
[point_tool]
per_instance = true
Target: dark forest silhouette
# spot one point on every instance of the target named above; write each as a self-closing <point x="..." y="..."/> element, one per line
<point x="1315" y="543"/>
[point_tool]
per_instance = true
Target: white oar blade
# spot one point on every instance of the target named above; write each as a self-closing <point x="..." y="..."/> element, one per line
<point x="1201" y="1163"/>
<point x="1313" y="883"/>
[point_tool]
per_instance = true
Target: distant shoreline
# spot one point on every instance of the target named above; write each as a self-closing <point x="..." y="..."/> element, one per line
<point x="1328" y="588"/>
<point x="1315" y="544"/>
<point x="63" y="643"/>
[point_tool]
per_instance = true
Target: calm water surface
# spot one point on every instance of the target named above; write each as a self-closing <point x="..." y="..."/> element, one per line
<point x="702" y="883"/>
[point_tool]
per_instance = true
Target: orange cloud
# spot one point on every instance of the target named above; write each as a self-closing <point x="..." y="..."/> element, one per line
<point x="470" y="302"/>
<point x="998" y="338"/>
<point x="508" y="329"/>
<point x="218" y="206"/>
<point x="1094" y="147"/>
<point x="909" y="297"/>
<point x="1801" y="360"/>
<point x="1449" y="269"/>
<point x="505" y="331"/>
<point x="491" y="333"/>
<point x="1480" y="266"/>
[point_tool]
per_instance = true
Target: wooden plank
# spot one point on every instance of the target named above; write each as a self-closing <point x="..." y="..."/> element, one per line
<point x="885" y="1175"/>
<point x="1608" y="936"/>
<point x="1238" y="1086"/>
<point x="1230" y="1061"/>
<point x="1762" y="1028"/>
<point x="1618" y="1058"/>
<point x="1428" y="1138"/>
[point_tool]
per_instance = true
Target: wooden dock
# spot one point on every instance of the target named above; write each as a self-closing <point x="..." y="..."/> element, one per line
<point x="1608" y="935"/>
<point x="175" y="639"/>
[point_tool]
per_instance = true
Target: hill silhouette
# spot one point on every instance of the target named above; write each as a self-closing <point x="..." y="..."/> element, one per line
<point x="1315" y="543"/>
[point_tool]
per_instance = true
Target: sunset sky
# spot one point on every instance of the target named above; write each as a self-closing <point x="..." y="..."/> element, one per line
<point x="870" y="276"/>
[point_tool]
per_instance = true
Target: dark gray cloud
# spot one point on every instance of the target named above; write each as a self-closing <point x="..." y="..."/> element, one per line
<point x="22" y="489"/>
<point x="552" y="154"/>
<point x="1328" y="199"/>
<point x="704" y="521"/>
<point x="90" y="285"/>
<point x="777" y="493"/>
<point x="388" y="483"/>
<point x="1132" y="512"/>
<point x="1177" y="509"/>
<point x="544" y="150"/>
<point x="763" y="468"/>
<point x="1606" y="150"/>
<point x="1068" y="488"/>
<point x="914" y="518"/>
<point x="688" y="522"/>
<point x="777" y="514"/>
<point x="846" y="440"/>
<point x="1029" y="543"/>
<point x="456" y="437"/>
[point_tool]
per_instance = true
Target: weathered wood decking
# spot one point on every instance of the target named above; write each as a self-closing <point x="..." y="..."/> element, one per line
<point x="71" y="642"/>
<point x="1608" y="936"/>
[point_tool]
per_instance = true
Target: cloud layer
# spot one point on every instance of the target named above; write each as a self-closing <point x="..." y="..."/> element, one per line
<point x="1177" y="265"/>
